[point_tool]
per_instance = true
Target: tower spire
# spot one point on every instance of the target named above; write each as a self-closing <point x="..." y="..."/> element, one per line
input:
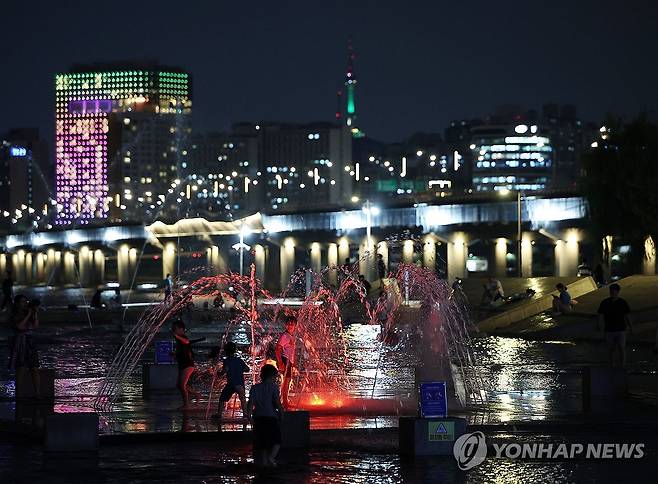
<point x="350" y="84"/>
<point x="350" y="87"/>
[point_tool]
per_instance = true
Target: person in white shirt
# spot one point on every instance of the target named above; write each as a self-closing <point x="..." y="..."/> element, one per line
<point x="493" y="291"/>
<point x="285" y="357"/>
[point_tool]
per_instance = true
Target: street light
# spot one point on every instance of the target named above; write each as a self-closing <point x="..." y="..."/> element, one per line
<point x="504" y="192"/>
<point x="241" y="246"/>
<point x="370" y="210"/>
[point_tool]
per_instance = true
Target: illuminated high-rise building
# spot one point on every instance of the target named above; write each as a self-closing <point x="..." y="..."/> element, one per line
<point x="121" y="137"/>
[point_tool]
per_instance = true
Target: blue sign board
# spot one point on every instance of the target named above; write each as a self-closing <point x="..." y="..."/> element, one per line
<point x="18" y="151"/>
<point x="164" y="352"/>
<point x="433" y="400"/>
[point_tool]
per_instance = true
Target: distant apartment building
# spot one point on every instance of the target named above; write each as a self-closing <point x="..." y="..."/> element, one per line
<point x="305" y="165"/>
<point x="224" y="168"/>
<point x="568" y="137"/>
<point x="122" y="132"/>
<point x="25" y="176"/>
<point x="270" y="167"/>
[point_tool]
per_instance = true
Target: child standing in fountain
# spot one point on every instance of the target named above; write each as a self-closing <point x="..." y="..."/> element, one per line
<point x="185" y="360"/>
<point x="234" y="368"/>
<point x="265" y="411"/>
<point x="285" y="357"/>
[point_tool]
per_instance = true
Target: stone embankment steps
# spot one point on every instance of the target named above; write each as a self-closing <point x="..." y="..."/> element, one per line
<point x="534" y="306"/>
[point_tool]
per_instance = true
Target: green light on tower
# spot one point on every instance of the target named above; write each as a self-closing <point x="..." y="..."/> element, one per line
<point x="350" y="99"/>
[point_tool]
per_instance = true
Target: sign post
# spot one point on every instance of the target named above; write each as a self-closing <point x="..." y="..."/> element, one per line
<point x="433" y="400"/>
<point x="163" y="352"/>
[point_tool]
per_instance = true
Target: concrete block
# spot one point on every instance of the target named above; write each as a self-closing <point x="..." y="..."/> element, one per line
<point x="159" y="377"/>
<point x="295" y="429"/>
<point x="429" y="436"/>
<point x="33" y="412"/>
<point x="603" y="384"/>
<point x="71" y="432"/>
<point x="25" y="389"/>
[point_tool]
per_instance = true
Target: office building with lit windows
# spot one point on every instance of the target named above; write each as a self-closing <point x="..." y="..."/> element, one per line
<point x="514" y="157"/>
<point x="121" y="141"/>
<point x="305" y="165"/>
<point x="224" y="167"/>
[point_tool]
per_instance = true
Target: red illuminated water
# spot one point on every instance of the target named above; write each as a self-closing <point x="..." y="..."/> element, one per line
<point x="412" y="303"/>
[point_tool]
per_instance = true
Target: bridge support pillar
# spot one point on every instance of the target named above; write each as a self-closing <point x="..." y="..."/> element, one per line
<point x="408" y="251"/>
<point x="287" y="261"/>
<point x="212" y="260"/>
<point x="457" y="255"/>
<point x="429" y="252"/>
<point x="98" y="268"/>
<point x="260" y="260"/>
<point x="343" y="250"/>
<point x="332" y="263"/>
<point x="367" y="264"/>
<point x="40" y="268"/>
<point x="85" y="265"/>
<point x="649" y="259"/>
<point x="526" y="255"/>
<point x="500" y="257"/>
<point x="53" y="267"/>
<point x="168" y="260"/>
<point x="69" y="269"/>
<point x="316" y="257"/>
<point x="126" y="264"/>
<point x="567" y="254"/>
<point x="18" y="266"/>
<point x="29" y="268"/>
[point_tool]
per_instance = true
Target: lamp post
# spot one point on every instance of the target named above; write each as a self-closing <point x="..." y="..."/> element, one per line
<point x="241" y="246"/>
<point x="370" y="210"/>
<point x="519" y="265"/>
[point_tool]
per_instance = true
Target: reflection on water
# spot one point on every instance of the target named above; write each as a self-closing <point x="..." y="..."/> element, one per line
<point x="528" y="379"/>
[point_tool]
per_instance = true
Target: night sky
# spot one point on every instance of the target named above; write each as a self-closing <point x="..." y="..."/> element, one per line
<point x="419" y="64"/>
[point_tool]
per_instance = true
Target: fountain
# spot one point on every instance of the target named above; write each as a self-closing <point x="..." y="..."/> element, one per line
<point x="415" y="313"/>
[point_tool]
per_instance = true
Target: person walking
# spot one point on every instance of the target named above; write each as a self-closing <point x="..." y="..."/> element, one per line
<point x="24" y="355"/>
<point x="599" y="275"/>
<point x="168" y="286"/>
<point x="285" y="357"/>
<point x="7" y="291"/>
<point x="614" y="317"/>
<point x="381" y="266"/>
<point x="185" y="360"/>
<point x="265" y="412"/>
<point x="234" y="368"/>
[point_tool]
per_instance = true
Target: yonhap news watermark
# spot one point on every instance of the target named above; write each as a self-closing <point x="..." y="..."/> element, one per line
<point x="472" y="449"/>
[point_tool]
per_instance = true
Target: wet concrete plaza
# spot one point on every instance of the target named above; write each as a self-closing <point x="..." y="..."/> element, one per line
<point x="536" y="396"/>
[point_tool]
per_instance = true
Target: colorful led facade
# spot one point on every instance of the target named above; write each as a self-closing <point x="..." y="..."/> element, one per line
<point x="91" y="109"/>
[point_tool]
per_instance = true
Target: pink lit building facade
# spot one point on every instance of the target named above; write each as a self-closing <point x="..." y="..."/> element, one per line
<point x="121" y="141"/>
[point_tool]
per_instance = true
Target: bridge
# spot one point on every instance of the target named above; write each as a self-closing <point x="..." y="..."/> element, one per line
<point x="453" y="239"/>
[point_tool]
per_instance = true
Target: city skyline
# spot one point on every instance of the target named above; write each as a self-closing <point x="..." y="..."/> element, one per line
<point x="402" y="88"/>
